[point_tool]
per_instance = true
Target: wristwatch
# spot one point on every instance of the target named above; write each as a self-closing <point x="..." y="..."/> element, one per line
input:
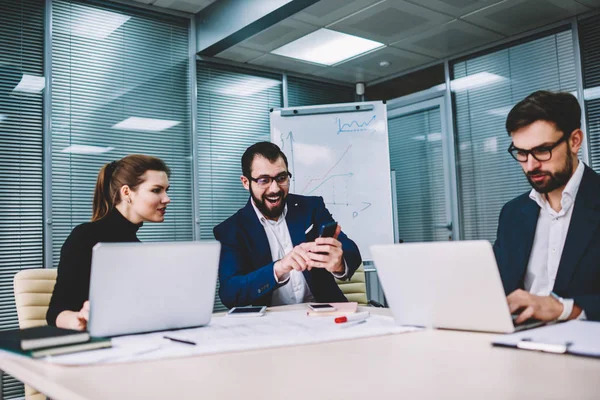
<point x="567" y="306"/>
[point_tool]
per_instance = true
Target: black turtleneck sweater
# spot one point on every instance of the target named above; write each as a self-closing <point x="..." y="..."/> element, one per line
<point x="73" y="282"/>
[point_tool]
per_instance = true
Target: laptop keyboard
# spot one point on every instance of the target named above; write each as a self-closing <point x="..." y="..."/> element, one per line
<point x="528" y="324"/>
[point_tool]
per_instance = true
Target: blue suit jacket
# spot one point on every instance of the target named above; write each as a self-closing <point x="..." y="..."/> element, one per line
<point x="578" y="274"/>
<point x="246" y="266"/>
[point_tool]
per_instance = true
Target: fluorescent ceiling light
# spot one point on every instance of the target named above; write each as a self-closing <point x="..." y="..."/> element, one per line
<point x="247" y="87"/>
<point x="591" y="93"/>
<point x="83" y="149"/>
<point x="327" y="47"/>
<point x="145" y="124"/>
<point x="31" y="84"/>
<point x="475" y="81"/>
<point x="500" y="111"/>
<point x="97" y="24"/>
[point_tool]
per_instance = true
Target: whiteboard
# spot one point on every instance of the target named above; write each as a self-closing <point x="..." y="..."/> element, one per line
<point x="343" y="157"/>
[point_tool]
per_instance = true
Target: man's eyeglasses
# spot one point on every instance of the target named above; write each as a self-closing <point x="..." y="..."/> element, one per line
<point x="540" y="153"/>
<point x="282" y="179"/>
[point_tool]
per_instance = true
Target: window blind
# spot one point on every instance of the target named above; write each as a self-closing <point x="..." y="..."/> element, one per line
<point x="111" y="63"/>
<point x="416" y="155"/>
<point x="233" y="113"/>
<point x="304" y="92"/>
<point x="589" y="41"/>
<point x="21" y="153"/>
<point x="486" y="88"/>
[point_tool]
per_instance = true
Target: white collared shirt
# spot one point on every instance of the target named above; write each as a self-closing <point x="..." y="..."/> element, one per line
<point x="549" y="241"/>
<point x="296" y="290"/>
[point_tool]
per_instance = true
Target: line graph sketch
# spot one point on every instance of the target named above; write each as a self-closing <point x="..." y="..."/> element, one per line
<point x="355" y="126"/>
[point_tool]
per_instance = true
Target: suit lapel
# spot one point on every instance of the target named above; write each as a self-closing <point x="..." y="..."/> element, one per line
<point x="298" y="221"/>
<point x="256" y="235"/>
<point x="584" y="222"/>
<point x="524" y="243"/>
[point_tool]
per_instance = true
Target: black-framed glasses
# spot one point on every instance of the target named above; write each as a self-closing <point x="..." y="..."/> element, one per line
<point x="264" y="181"/>
<point x="540" y="153"/>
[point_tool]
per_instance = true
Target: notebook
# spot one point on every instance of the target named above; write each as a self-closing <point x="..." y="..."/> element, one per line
<point x="93" y="344"/>
<point x="40" y="337"/>
<point x="340" y="309"/>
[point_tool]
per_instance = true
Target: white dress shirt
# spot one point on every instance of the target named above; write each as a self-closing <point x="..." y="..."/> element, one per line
<point x="549" y="241"/>
<point x="295" y="289"/>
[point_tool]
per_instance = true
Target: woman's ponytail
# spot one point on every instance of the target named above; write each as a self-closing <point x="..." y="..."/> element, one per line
<point x="103" y="199"/>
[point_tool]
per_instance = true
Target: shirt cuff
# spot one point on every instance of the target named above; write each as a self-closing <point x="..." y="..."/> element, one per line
<point x="344" y="276"/>
<point x="567" y="309"/>
<point x="286" y="278"/>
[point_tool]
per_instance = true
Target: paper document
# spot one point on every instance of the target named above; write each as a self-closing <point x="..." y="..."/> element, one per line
<point x="225" y="334"/>
<point x="573" y="337"/>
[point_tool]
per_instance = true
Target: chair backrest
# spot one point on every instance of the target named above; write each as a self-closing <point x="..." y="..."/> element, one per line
<point x="33" y="290"/>
<point x="355" y="289"/>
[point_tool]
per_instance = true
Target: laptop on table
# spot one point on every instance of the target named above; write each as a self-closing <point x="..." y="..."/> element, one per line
<point x="449" y="285"/>
<point x="147" y="287"/>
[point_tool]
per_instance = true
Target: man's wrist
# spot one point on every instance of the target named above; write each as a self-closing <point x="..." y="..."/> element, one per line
<point x="564" y="305"/>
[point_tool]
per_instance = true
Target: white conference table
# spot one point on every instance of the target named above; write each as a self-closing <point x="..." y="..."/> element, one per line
<point x="431" y="364"/>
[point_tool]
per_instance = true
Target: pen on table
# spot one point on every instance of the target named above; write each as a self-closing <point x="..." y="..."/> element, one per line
<point x="180" y="340"/>
<point x="358" y="317"/>
<point x="309" y="228"/>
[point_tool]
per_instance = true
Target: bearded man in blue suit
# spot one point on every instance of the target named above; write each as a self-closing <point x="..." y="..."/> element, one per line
<point x="548" y="244"/>
<point x="270" y="252"/>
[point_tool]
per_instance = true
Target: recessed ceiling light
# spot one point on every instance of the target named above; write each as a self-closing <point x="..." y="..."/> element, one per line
<point x="475" y="80"/>
<point x="591" y="93"/>
<point x="327" y="47"/>
<point x="384" y="64"/>
<point x="31" y="84"/>
<point x="83" y="149"/>
<point x="145" y="124"/>
<point x="96" y="24"/>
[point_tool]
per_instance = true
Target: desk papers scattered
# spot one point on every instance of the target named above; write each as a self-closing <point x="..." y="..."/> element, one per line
<point x="275" y="329"/>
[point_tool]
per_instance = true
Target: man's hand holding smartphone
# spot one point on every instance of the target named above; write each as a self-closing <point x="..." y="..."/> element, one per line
<point x="326" y="251"/>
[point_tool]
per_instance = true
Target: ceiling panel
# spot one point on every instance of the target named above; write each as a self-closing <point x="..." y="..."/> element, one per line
<point x="390" y="21"/>
<point x="449" y="39"/>
<point x="239" y="54"/>
<point x="400" y="60"/>
<point x="325" y="12"/>
<point x="516" y="16"/>
<point x="279" y="34"/>
<point x="286" y="64"/>
<point x="456" y="8"/>
<point x="189" y="6"/>
<point x="590" y="3"/>
<point x="342" y="75"/>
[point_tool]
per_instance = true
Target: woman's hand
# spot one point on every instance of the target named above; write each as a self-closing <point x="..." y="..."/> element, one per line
<point x="76" y="320"/>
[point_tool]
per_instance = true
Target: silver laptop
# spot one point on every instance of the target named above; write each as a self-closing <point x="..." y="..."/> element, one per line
<point x="451" y="285"/>
<point x="145" y="287"/>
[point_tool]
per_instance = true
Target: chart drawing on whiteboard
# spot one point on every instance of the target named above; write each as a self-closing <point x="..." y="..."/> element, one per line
<point x="355" y="126"/>
<point x="343" y="158"/>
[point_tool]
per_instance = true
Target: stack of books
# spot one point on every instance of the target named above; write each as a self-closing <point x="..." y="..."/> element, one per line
<point x="45" y="341"/>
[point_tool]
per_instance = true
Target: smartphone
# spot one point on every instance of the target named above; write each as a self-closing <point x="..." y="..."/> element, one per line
<point x="321" y="307"/>
<point x="328" y="229"/>
<point x="253" y="311"/>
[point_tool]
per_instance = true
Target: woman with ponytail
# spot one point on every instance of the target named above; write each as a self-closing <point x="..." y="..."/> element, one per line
<point x="128" y="192"/>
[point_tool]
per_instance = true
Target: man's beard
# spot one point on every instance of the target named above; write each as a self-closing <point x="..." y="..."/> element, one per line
<point x="556" y="180"/>
<point x="261" y="204"/>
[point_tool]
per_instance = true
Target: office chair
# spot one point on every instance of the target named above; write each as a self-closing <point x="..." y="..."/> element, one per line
<point x="355" y="289"/>
<point x="33" y="290"/>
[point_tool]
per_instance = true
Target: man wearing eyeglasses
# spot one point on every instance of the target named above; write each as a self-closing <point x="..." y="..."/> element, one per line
<point x="270" y="252"/>
<point x="548" y="243"/>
